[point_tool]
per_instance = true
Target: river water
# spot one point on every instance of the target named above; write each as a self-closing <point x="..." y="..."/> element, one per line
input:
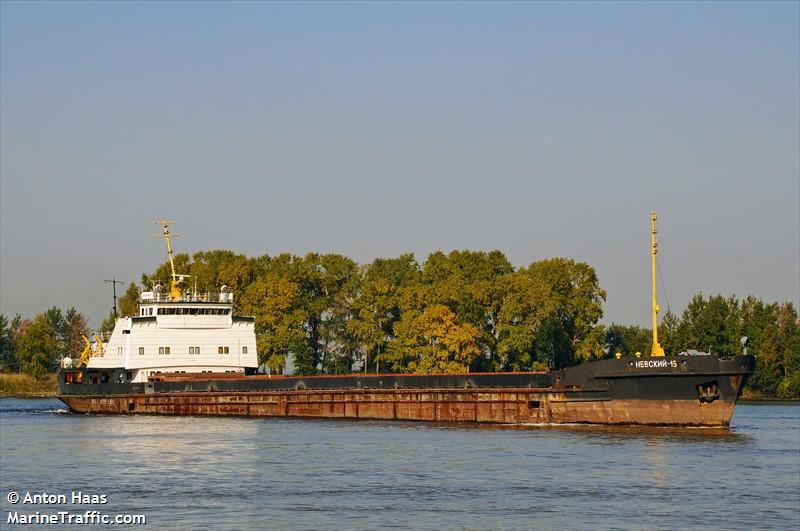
<point x="235" y="473"/>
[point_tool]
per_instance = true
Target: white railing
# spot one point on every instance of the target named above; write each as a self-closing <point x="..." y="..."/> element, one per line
<point x="156" y="296"/>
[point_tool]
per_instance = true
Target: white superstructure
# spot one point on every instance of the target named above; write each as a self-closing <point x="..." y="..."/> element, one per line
<point x="195" y="335"/>
<point x="179" y="332"/>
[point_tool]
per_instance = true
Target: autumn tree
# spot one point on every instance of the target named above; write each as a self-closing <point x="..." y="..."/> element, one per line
<point x="470" y="284"/>
<point x="160" y="279"/>
<point x="432" y="341"/>
<point x="275" y="301"/>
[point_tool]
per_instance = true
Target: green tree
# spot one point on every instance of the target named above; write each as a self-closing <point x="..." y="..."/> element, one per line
<point x="107" y="326"/>
<point x="628" y="340"/>
<point x="8" y="355"/>
<point x="37" y="345"/>
<point x="716" y="325"/>
<point x="710" y="325"/>
<point x="667" y="334"/>
<point x="76" y="327"/>
<point x="789" y="346"/>
<point x="128" y="304"/>
<point x="523" y="310"/>
<point x="574" y="301"/>
<point x="326" y="285"/>
<point x="389" y="286"/>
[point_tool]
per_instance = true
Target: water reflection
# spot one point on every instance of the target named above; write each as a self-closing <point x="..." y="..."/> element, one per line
<point x="222" y="473"/>
<point x="603" y="432"/>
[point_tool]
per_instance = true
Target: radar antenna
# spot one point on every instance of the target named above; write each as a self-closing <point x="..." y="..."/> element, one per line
<point x="177" y="280"/>
<point x="113" y="281"/>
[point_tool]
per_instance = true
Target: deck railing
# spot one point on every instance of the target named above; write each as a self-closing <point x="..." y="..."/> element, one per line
<point x="149" y="297"/>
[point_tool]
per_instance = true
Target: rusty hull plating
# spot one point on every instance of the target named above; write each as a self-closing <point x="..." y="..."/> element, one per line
<point x="669" y="391"/>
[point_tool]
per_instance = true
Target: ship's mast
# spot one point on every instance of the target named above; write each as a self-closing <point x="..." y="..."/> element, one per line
<point x="657" y="350"/>
<point x="177" y="280"/>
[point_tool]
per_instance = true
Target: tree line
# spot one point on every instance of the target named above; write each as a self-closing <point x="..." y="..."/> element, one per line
<point x="36" y="346"/>
<point x="455" y="312"/>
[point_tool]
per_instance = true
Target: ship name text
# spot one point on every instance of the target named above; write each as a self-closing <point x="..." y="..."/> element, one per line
<point x="655" y="364"/>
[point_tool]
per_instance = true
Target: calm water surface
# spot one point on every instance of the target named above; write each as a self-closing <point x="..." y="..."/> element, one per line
<point x="233" y="473"/>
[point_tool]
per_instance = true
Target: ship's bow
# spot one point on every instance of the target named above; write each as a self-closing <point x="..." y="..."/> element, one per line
<point x="669" y="391"/>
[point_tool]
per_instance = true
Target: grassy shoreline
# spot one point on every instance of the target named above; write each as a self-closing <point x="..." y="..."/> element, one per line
<point x="25" y="386"/>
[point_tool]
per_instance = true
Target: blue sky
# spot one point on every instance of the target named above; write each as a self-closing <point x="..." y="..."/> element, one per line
<point x="373" y="129"/>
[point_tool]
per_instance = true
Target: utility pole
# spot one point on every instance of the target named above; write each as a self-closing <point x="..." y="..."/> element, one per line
<point x="114" y="283"/>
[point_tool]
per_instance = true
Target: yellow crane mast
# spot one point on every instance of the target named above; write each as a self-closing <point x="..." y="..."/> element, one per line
<point x="657" y="350"/>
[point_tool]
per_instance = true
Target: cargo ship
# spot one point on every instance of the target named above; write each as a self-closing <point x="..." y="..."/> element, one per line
<point x="188" y="354"/>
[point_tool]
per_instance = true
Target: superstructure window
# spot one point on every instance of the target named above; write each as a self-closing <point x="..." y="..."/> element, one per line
<point x="223" y="350"/>
<point x="163" y="350"/>
<point x="191" y="350"/>
<point x="141" y="351"/>
<point x="197" y="350"/>
<point x="244" y="350"/>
